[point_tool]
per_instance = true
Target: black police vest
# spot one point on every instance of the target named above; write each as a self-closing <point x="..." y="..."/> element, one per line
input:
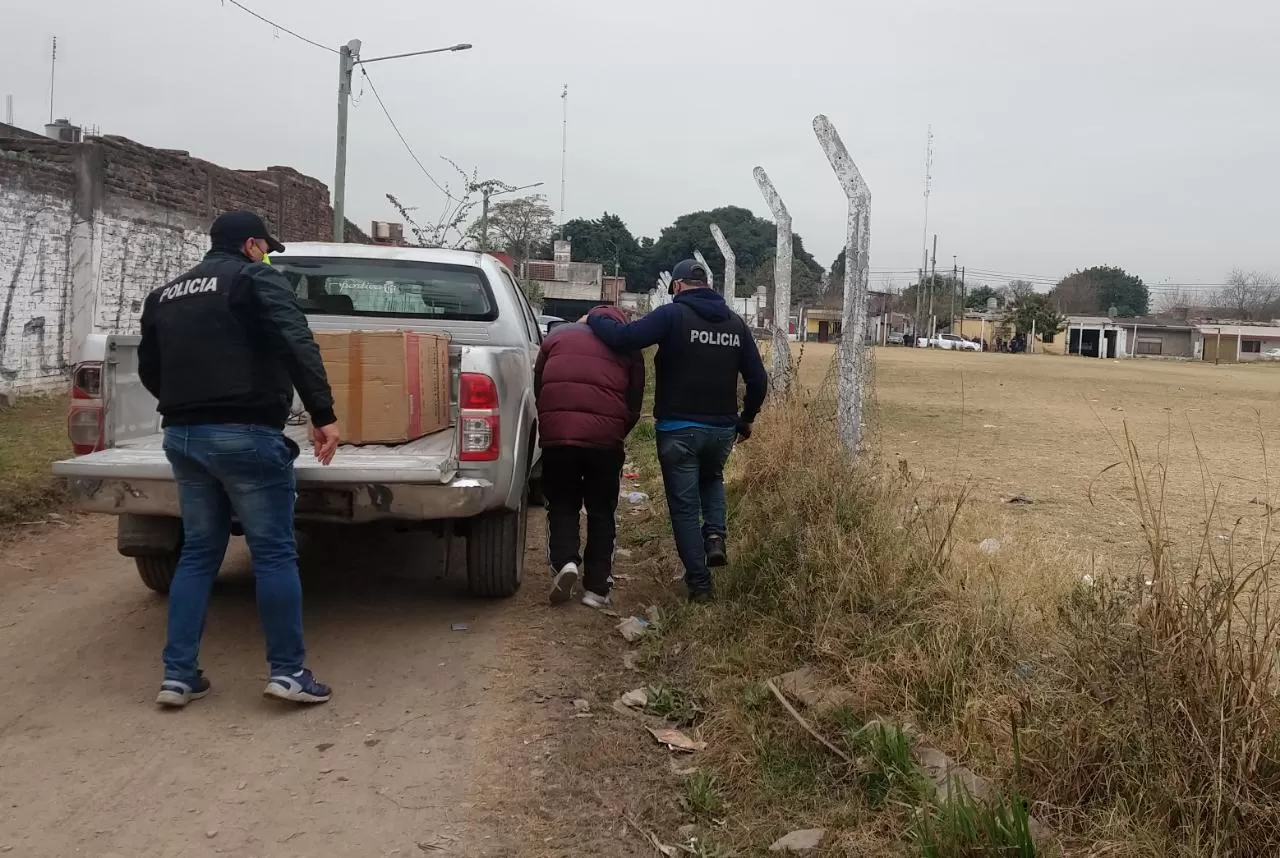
<point x="215" y="365"/>
<point x="698" y="368"/>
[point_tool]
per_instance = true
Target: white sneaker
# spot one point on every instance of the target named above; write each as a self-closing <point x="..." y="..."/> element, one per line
<point x="595" y="600"/>
<point x="564" y="582"/>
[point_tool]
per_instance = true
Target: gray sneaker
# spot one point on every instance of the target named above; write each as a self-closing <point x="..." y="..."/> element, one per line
<point x="174" y="694"/>
<point x="564" y="582"/>
<point x="594" y="600"/>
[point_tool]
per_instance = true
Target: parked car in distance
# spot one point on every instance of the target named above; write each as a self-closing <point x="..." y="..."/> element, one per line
<point x="895" y="338"/>
<point x="954" y="342"/>
<point x="546" y="323"/>
<point x="1271" y="354"/>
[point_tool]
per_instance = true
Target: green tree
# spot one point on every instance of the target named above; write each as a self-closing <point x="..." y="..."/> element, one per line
<point x="1037" y="313"/>
<point x="976" y="297"/>
<point x="753" y="240"/>
<point x="1096" y="290"/>
<point x="806" y="278"/>
<point x="946" y="297"/>
<point x="607" y="240"/>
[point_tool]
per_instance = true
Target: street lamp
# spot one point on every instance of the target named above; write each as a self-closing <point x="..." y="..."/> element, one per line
<point x="348" y="59"/>
<point x="493" y="188"/>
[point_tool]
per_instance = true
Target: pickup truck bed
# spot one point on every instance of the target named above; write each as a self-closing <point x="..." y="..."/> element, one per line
<point x="410" y="482"/>
<point x="424" y="461"/>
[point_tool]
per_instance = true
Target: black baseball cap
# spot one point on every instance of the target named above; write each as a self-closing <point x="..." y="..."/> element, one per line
<point x="689" y="270"/>
<point x="233" y="229"/>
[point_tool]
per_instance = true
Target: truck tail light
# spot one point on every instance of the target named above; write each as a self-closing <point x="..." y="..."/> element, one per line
<point x="86" y="380"/>
<point x="84" y="418"/>
<point x="478" y="418"/>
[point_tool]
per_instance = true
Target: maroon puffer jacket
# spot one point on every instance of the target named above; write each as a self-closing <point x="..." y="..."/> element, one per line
<point x="588" y="396"/>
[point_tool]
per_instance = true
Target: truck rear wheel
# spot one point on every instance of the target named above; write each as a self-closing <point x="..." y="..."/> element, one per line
<point x="154" y="542"/>
<point x="495" y="552"/>
<point x="156" y="570"/>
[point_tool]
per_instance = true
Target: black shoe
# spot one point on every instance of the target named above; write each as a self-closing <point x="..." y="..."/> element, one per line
<point x="701" y="597"/>
<point x="716" y="553"/>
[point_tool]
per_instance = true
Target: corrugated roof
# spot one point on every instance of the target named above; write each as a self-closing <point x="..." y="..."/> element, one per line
<point x="1261" y="332"/>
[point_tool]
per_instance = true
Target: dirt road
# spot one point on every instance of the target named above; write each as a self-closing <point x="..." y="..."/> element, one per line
<point x="437" y="741"/>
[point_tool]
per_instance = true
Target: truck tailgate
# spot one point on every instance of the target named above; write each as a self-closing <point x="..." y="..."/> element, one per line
<point x="426" y="461"/>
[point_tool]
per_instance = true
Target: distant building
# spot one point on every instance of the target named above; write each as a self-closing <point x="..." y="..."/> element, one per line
<point x="570" y="288"/>
<point x="387" y="233"/>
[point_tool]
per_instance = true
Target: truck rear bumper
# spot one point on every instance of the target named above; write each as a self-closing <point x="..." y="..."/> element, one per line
<point x="330" y="501"/>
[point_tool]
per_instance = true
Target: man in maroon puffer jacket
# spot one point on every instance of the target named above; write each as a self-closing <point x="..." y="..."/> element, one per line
<point x="589" y="399"/>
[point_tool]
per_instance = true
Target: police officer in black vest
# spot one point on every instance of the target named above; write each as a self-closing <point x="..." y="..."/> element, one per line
<point x="223" y="348"/>
<point x="703" y="348"/>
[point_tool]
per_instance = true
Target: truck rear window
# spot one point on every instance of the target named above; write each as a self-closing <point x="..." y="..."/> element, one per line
<point x="388" y="288"/>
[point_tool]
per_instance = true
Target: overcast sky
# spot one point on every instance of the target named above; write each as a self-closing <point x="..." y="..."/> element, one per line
<point x="1139" y="133"/>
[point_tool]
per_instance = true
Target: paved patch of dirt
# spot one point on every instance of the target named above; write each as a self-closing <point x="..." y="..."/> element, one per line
<point x="437" y="741"/>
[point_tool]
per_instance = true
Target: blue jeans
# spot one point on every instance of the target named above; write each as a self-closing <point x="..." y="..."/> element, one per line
<point x="692" y="462"/>
<point x="246" y="471"/>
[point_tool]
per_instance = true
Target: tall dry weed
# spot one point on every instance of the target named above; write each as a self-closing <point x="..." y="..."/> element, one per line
<point x="1147" y="702"/>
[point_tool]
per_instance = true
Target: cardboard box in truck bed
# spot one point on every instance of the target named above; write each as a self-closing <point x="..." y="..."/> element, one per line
<point x="388" y="386"/>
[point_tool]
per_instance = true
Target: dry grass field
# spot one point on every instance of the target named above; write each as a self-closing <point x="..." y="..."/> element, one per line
<point x="1056" y="570"/>
<point x="1047" y="428"/>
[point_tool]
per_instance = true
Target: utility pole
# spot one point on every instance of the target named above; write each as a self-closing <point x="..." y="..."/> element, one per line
<point x="348" y="59"/>
<point x="919" y="322"/>
<point x="492" y="188"/>
<point x="963" y="297"/>
<point x="928" y="187"/>
<point x="933" y="278"/>
<point x="346" y="66"/>
<point x="954" y="272"/>
<point x="53" y="66"/>
<point x="564" y="150"/>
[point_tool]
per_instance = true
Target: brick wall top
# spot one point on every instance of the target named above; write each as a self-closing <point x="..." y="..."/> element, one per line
<point x="294" y="205"/>
<point x="7" y="130"/>
<point x="19" y="170"/>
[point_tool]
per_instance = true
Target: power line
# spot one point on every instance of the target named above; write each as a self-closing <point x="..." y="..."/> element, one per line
<point x="373" y="89"/>
<point x="302" y="38"/>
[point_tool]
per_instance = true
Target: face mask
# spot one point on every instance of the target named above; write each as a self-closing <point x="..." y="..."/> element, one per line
<point x="266" y="260"/>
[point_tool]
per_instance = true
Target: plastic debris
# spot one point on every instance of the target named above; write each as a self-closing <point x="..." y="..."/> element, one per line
<point x="636" y="497"/>
<point x="460" y="627"/>
<point x="989" y="546"/>
<point x="676" y="740"/>
<point x="637" y="698"/>
<point x="804" y="840"/>
<point x="631" y="475"/>
<point x="633" y="628"/>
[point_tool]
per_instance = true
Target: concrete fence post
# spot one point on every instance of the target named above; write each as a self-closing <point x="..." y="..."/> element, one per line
<point x="853" y="352"/>
<point x="702" y="260"/>
<point x="781" y="283"/>
<point x="727" y="286"/>
<point x="660" y="295"/>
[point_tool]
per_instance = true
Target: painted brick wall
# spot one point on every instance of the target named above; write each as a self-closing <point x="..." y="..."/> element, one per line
<point x="35" y="229"/>
<point x="87" y="230"/>
<point x="136" y="257"/>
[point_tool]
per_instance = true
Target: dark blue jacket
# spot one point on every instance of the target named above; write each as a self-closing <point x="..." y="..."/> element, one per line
<point x="661" y="328"/>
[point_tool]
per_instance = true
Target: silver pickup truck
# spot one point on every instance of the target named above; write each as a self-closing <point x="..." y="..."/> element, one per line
<point x="472" y="479"/>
